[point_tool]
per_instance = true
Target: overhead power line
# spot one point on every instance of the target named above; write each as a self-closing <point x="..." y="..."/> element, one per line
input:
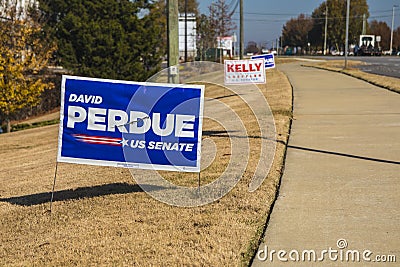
<point x="310" y="18"/>
<point x="271" y="14"/>
<point x="234" y="9"/>
<point x="373" y="15"/>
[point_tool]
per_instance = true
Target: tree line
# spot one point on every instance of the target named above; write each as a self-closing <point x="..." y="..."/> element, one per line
<point x="112" y="39"/>
<point x="304" y="30"/>
<point x="127" y="39"/>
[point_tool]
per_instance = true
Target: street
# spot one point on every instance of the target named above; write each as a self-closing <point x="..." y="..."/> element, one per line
<point x="387" y="66"/>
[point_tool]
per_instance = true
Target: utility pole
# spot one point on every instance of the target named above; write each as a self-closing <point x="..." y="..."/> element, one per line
<point x="347" y="34"/>
<point x="391" y="34"/>
<point x="173" y="41"/>
<point x="234" y="39"/>
<point x="326" y="26"/>
<point x="186" y="31"/>
<point x="241" y="46"/>
<point x="364" y="29"/>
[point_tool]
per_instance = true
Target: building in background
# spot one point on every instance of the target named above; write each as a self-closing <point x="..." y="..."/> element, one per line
<point x="191" y="35"/>
<point x="226" y="43"/>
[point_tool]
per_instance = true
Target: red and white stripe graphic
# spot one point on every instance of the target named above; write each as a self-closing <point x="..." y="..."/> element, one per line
<point x="98" y="140"/>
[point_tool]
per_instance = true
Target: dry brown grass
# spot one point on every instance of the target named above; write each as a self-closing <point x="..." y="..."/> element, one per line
<point x="389" y="83"/>
<point x="102" y="218"/>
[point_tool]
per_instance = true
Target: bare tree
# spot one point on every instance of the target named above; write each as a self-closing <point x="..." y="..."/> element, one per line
<point x="221" y="18"/>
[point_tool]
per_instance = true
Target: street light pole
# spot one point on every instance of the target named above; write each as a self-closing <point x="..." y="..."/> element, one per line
<point x="241" y="45"/>
<point x="391" y="34"/>
<point x="186" y="30"/>
<point x="173" y="40"/>
<point x="347" y="34"/>
<point x="326" y="26"/>
<point x="364" y="28"/>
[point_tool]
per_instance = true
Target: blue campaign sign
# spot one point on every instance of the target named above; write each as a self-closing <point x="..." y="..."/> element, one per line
<point x="130" y="124"/>
<point x="269" y="60"/>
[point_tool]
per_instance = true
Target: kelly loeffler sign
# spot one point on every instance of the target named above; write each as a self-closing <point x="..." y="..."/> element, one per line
<point x="130" y="124"/>
<point x="245" y="71"/>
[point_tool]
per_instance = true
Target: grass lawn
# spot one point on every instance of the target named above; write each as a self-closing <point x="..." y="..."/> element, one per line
<point x="101" y="217"/>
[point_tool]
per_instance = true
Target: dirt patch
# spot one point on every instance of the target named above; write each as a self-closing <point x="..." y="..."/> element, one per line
<point x="101" y="217"/>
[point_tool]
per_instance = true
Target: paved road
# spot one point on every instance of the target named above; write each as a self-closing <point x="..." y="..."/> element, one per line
<point x="342" y="174"/>
<point x="388" y="66"/>
<point x="385" y="65"/>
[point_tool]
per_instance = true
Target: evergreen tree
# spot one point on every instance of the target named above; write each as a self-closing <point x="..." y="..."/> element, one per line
<point x="108" y="38"/>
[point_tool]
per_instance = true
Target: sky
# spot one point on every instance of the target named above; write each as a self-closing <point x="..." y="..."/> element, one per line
<point x="264" y="19"/>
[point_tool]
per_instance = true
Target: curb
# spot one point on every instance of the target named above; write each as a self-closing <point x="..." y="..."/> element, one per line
<point x="278" y="187"/>
<point x="354" y="76"/>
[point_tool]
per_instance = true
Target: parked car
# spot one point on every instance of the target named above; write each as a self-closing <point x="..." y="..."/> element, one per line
<point x="337" y="53"/>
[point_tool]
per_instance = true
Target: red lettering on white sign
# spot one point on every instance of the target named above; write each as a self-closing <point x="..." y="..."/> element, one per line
<point x="245" y="71"/>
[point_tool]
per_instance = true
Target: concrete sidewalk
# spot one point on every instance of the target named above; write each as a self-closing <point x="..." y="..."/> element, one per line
<point x="342" y="175"/>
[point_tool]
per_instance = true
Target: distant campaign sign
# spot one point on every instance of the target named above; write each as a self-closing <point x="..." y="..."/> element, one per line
<point x="269" y="60"/>
<point x="130" y="124"/>
<point x="244" y="71"/>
